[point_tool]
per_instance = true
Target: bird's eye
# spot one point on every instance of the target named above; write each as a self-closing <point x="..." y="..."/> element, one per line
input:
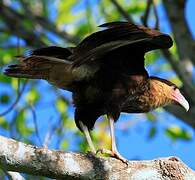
<point x="174" y="88"/>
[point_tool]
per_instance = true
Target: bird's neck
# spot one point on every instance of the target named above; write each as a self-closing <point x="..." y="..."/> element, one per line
<point x="158" y="95"/>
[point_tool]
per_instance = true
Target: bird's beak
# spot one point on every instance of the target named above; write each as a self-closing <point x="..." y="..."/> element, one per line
<point x="180" y="99"/>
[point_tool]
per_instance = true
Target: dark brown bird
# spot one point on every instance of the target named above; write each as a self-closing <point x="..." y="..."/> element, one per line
<point x="106" y="74"/>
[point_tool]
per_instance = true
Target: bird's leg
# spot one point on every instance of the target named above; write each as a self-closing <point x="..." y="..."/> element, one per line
<point x="113" y="141"/>
<point x="88" y="137"/>
<point x="114" y="152"/>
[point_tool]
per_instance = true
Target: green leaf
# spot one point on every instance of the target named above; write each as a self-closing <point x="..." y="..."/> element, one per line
<point x="151" y="116"/>
<point x="7" y="58"/>
<point x="14" y="83"/>
<point x="3" y="123"/>
<point x="21" y="125"/>
<point x="32" y="96"/>
<point x="177" y="133"/>
<point x="65" y="14"/>
<point x="64" y="144"/>
<point x="5" y="79"/>
<point x="4" y="98"/>
<point x="151" y="57"/>
<point x="69" y="124"/>
<point x="135" y="7"/>
<point x="176" y="81"/>
<point x="152" y="132"/>
<point x="61" y="105"/>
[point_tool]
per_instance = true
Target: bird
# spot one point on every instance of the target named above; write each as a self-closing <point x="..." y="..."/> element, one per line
<point x="106" y="74"/>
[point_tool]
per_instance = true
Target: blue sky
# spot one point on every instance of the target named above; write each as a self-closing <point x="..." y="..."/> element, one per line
<point x="133" y="143"/>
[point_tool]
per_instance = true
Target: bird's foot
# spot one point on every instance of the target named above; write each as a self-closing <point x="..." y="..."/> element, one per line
<point x="114" y="154"/>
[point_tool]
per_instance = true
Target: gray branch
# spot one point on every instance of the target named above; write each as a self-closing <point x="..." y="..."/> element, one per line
<point x="19" y="29"/>
<point x="183" y="37"/>
<point x="20" y="157"/>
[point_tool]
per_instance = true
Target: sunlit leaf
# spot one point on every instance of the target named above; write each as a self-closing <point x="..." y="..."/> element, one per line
<point x="14" y="83"/>
<point x="65" y="14"/>
<point x="21" y="126"/>
<point x="152" y="132"/>
<point x="177" y="133"/>
<point x="64" y="144"/>
<point x="135" y="8"/>
<point x="32" y="96"/>
<point x="151" y="116"/>
<point x="7" y="58"/>
<point x="176" y="81"/>
<point x="61" y="105"/>
<point x="151" y="57"/>
<point x="3" y="123"/>
<point x="70" y="124"/>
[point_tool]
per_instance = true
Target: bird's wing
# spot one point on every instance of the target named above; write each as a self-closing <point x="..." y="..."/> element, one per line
<point x="119" y="37"/>
<point x="50" y="63"/>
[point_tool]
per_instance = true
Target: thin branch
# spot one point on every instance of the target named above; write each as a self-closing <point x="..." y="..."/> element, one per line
<point x="181" y="74"/>
<point x="122" y="11"/>
<point x="156" y="15"/>
<point x="36" y="124"/>
<point x="49" y="134"/>
<point x="175" y="11"/>
<point x="20" y="157"/>
<point x="19" y="95"/>
<point x="47" y="24"/>
<point x="145" y="16"/>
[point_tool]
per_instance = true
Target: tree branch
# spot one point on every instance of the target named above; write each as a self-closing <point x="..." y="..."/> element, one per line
<point x="181" y="72"/>
<point x="20" y="157"/>
<point x="122" y="11"/>
<point x="19" y="95"/>
<point x="47" y="24"/>
<point x="181" y="32"/>
<point x="32" y="38"/>
<point x="145" y="16"/>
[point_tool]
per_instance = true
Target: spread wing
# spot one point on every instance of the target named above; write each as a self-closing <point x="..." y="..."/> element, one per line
<point x="119" y="48"/>
<point x="122" y="40"/>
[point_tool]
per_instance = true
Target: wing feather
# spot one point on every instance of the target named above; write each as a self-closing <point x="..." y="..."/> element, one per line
<point x="116" y="38"/>
<point x="45" y="63"/>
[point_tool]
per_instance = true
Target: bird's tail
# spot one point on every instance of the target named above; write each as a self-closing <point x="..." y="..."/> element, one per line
<point x="38" y="64"/>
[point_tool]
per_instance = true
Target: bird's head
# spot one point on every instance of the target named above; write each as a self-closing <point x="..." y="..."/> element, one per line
<point x="166" y="92"/>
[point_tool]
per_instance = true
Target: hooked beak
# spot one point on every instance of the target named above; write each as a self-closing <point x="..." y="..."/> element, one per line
<point x="180" y="99"/>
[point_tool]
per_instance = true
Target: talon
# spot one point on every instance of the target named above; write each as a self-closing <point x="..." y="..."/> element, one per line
<point x="104" y="151"/>
<point x="119" y="157"/>
<point x="113" y="154"/>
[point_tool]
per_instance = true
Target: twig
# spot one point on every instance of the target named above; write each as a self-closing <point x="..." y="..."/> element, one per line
<point x="181" y="73"/>
<point x="19" y="95"/>
<point x="36" y="124"/>
<point x="49" y="134"/>
<point x="18" y="53"/>
<point x="59" y="128"/>
<point x="156" y="15"/>
<point x="145" y="16"/>
<point x="45" y="23"/>
<point x="122" y="11"/>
